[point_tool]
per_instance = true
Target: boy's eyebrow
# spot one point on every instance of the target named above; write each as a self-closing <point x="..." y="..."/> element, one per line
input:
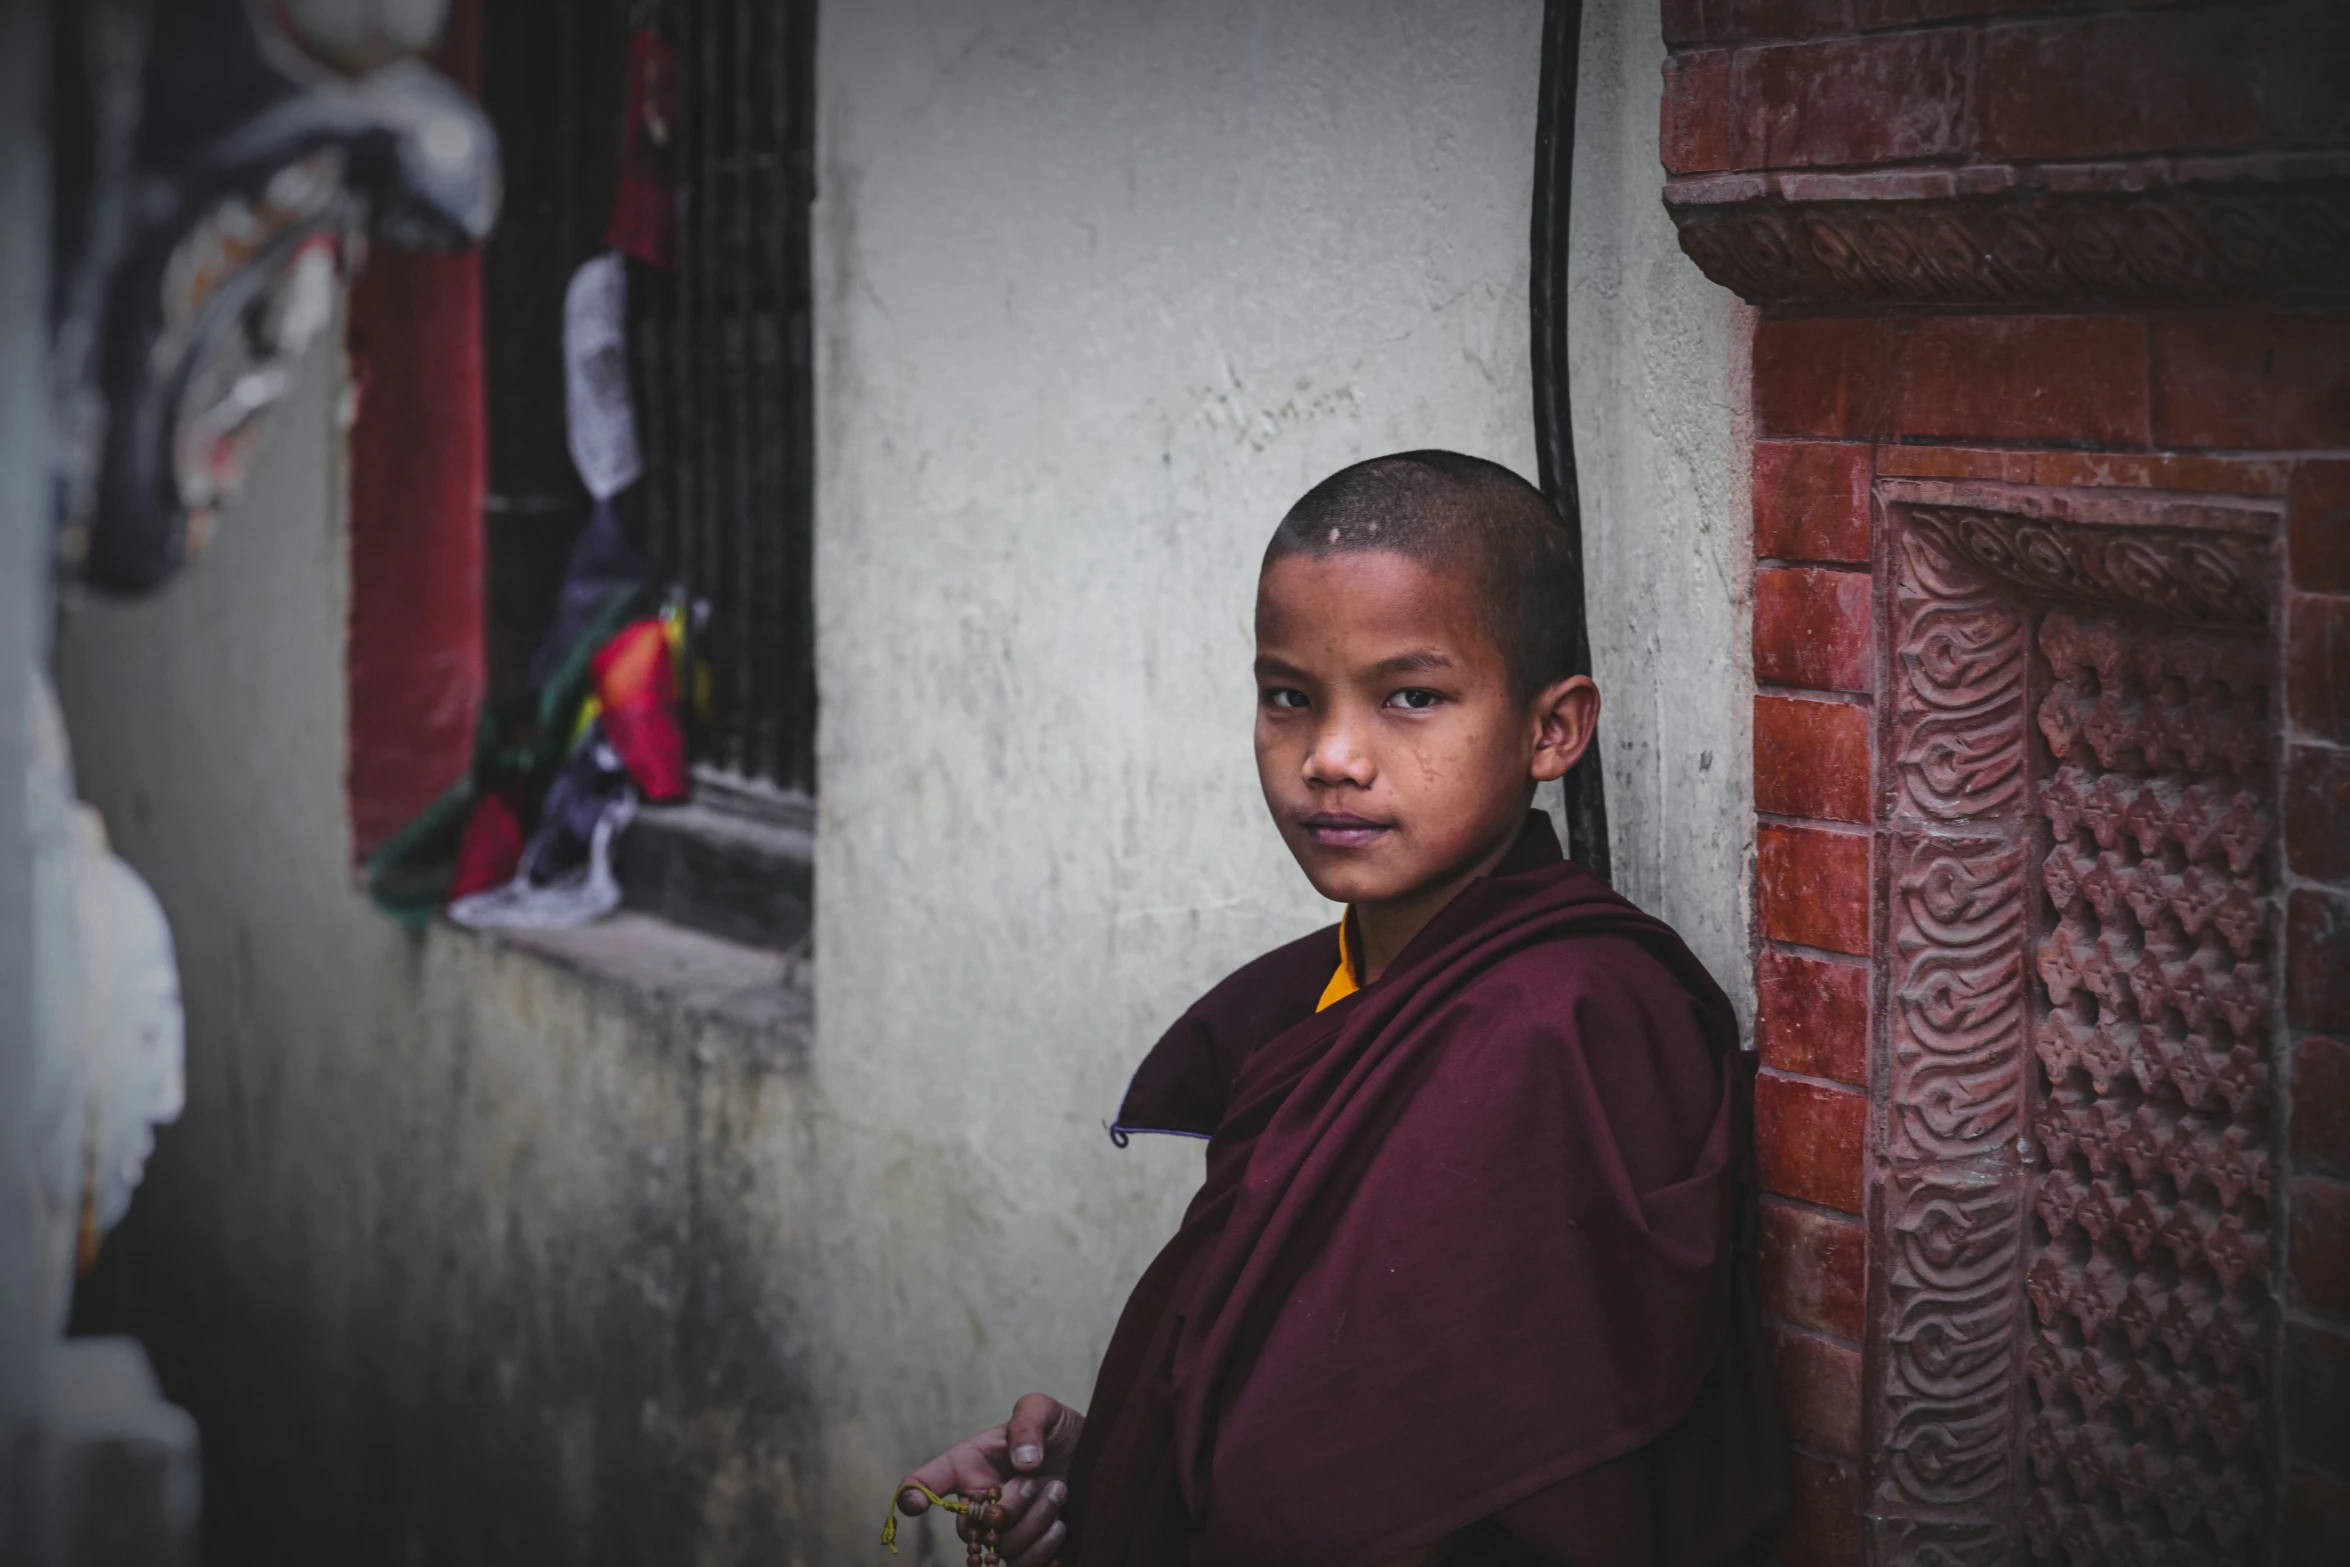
<point x="1417" y="661"/>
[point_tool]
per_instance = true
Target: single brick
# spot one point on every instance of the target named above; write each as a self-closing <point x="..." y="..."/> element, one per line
<point x="2252" y="382"/>
<point x="1721" y="21"/>
<point x="2022" y="378"/>
<point x="1811" y="758"/>
<point x="1811" y="501"/>
<point x="2321" y="1245"/>
<point x="1808" y="1140"/>
<point x="1695" y="131"/>
<point x="2316" y="1385"/>
<point x="2317" y="960"/>
<point x="1897" y="461"/>
<point x="1869" y="15"/>
<point x="1823" y="1526"/>
<point x="1814" y="1269"/>
<point x="1812" y="887"/>
<point x="1813" y="628"/>
<point x="2317" y="812"/>
<point x="2111" y="86"/>
<point x="2318" y="524"/>
<point x="2158" y="471"/>
<point x="2305" y="59"/>
<point x="1812" y="1017"/>
<point x="2321" y="1106"/>
<point x="1844" y="101"/>
<point x="1822" y="375"/>
<point x="2100" y="470"/>
<point x="2317" y="666"/>
<point x="1687" y="21"/>
<point x="1820" y="1385"/>
<point x="2317" y="1522"/>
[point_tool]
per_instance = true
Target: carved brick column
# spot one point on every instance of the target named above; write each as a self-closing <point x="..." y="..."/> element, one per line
<point x="2075" y="1201"/>
<point x="2052" y="752"/>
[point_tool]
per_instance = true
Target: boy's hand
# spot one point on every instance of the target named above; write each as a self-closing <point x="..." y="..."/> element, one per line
<point x="1028" y="1455"/>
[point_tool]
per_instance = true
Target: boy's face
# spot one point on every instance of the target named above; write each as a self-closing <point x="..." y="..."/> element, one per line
<point x="1393" y="755"/>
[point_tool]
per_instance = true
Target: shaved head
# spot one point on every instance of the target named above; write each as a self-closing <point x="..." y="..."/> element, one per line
<point x="1455" y="514"/>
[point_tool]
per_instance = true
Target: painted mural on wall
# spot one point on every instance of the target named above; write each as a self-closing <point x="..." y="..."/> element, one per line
<point x="235" y="162"/>
<point x="236" y="159"/>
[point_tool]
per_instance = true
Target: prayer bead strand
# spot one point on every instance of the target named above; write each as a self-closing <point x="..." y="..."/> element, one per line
<point x="985" y="1510"/>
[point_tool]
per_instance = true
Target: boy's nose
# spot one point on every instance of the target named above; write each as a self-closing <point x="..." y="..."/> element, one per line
<point x="1337" y="758"/>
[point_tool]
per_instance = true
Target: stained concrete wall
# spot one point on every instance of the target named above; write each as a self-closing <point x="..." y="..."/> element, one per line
<point x="458" y="1253"/>
<point x="600" y="1252"/>
<point x="1658" y="363"/>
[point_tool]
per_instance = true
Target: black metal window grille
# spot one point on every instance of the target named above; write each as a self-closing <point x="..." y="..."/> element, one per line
<point x="720" y="347"/>
<point x="552" y="75"/>
<point x="723" y="383"/>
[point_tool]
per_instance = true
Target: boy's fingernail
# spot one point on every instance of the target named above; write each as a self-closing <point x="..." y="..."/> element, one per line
<point x="1056" y="1493"/>
<point x="1024" y="1456"/>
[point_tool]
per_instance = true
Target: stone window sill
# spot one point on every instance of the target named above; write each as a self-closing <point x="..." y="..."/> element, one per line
<point x="735" y="862"/>
<point x="755" y="1000"/>
<point x="713" y="926"/>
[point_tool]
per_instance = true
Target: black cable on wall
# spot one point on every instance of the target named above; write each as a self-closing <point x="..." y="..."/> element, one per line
<point x="1554" y="434"/>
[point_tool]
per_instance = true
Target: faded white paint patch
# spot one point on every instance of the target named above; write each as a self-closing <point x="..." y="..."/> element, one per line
<point x="1659" y="364"/>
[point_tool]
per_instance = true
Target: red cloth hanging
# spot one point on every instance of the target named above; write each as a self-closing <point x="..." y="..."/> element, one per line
<point x="644" y="206"/>
<point x="636" y="684"/>
<point x="491" y="848"/>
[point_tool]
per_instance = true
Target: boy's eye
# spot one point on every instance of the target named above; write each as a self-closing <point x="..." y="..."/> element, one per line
<point x="1416" y="698"/>
<point x="1283" y="696"/>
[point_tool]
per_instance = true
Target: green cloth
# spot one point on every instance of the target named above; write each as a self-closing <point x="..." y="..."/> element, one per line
<point x="518" y="744"/>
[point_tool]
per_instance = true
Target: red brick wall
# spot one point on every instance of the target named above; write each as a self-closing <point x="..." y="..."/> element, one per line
<point x="2118" y="401"/>
<point x="1796" y="132"/>
<point x="1802" y="84"/>
<point x="1814" y="616"/>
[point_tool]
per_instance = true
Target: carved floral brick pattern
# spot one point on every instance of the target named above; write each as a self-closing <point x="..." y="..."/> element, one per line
<point x="1950" y="1221"/>
<point x="2171" y="571"/>
<point x="2284" y="240"/>
<point x="2072" y="1233"/>
<point x="2150" y="1288"/>
<point x="1958" y="744"/>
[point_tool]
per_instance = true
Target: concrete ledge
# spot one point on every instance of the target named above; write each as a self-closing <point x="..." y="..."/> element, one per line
<point x="761" y="997"/>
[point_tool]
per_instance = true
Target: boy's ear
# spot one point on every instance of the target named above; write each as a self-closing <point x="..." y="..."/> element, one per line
<point x="1565" y="714"/>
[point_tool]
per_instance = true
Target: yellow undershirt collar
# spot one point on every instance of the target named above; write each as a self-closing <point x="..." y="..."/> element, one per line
<point x="1342" y="984"/>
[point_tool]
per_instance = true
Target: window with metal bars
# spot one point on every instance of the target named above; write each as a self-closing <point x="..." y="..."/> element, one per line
<point x="721" y="352"/>
<point x="720" y="366"/>
<point x="720" y="347"/>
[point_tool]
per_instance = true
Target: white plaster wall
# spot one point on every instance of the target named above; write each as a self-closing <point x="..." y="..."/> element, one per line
<point x="1102" y="288"/>
<point x="1659" y="374"/>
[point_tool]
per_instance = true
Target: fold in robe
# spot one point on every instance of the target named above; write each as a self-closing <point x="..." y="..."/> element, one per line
<point x="1464" y="1250"/>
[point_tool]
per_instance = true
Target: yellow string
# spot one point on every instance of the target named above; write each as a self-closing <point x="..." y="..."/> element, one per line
<point x="889" y="1525"/>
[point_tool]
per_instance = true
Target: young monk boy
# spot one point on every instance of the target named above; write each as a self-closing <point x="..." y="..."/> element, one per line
<point x="1464" y="1281"/>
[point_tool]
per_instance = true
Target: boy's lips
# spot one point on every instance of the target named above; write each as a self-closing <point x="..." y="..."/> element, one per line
<point x="1342" y="830"/>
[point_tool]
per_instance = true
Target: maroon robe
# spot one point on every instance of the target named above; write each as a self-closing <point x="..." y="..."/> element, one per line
<point x="1462" y="1265"/>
